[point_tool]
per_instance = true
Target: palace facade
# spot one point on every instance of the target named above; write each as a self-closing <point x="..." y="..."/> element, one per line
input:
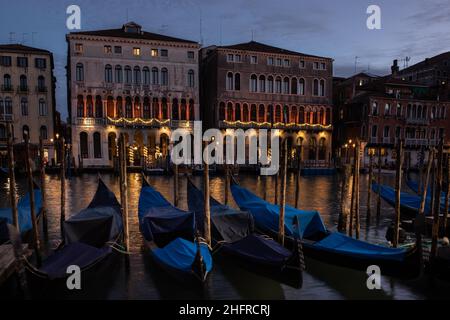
<point x="129" y="81"/>
<point x="27" y="99"/>
<point x="254" y="85"/>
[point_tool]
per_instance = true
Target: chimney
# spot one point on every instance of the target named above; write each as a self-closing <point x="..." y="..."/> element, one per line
<point x="394" y="68"/>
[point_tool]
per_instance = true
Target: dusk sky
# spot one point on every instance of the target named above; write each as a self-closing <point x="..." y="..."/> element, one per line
<point x="335" y="29"/>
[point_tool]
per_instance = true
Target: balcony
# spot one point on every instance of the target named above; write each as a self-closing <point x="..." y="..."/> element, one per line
<point x="138" y="122"/>
<point x="6" y="117"/>
<point x="387" y="140"/>
<point x="89" y="121"/>
<point x="420" y="142"/>
<point x="373" y="140"/>
<point x="41" y="89"/>
<point x="279" y="125"/>
<point x="22" y="89"/>
<point x="424" y="122"/>
<point x="6" y="88"/>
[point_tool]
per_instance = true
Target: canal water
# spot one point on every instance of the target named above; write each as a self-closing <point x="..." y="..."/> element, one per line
<point x="142" y="280"/>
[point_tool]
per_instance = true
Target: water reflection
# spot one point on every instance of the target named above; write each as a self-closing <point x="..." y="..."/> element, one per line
<point x="143" y="280"/>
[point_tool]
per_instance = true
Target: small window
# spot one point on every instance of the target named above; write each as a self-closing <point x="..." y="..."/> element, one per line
<point x="190" y="55"/>
<point x="230" y="58"/>
<point x="79" y="47"/>
<point x="136" y="51"/>
<point x="5" y="61"/>
<point x="279" y="62"/>
<point x="107" y="49"/>
<point x="40" y="63"/>
<point x="302" y="64"/>
<point x="22" y="62"/>
<point x="237" y="58"/>
<point x="154" y="52"/>
<point x="286" y="63"/>
<point x="117" y="49"/>
<point x="323" y="66"/>
<point x="270" y="61"/>
<point x="254" y="59"/>
<point x="164" y="53"/>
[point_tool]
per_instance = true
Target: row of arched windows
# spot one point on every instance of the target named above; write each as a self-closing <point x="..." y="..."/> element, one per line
<point x="146" y="108"/>
<point x="274" y="114"/>
<point x="23" y="82"/>
<point x="6" y="108"/>
<point x="275" y="84"/>
<point x="413" y="111"/>
<point x="137" y="76"/>
<point x="43" y="133"/>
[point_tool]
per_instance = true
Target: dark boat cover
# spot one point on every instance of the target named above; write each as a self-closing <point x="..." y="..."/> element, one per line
<point x="227" y="224"/>
<point x="160" y="221"/>
<point x="180" y="255"/>
<point x="407" y="200"/>
<point x="77" y="253"/>
<point x="24" y="212"/>
<point x="266" y="215"/>
<point x="99" y="223"/>
<point x="414" y="185"/>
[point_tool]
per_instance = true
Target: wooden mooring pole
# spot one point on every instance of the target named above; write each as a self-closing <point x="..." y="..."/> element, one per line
<point x="36" y="241"/>
<point x="62" y="175"/>
<point x="43" y="187"/>
<point x="227" y="183"/>
<point x="277" y="176"/>
<point x="175" y="185"/>
<point x="437" y="201"/>
<point x="342" y="223"/>
<point x="369" y="187"/>
<point x="447" y="194"/>
<point x="297" y="178"/>
<point x="398" y="186"/>
<point x="283" y="196"/>
<point x="12" y="178"/>
<point x="353" y="194"/>
<point x="124" y="190"/>
<point x="207" y="203"/>
<point x="357" y="170"/>
<point x="379" y="184"/>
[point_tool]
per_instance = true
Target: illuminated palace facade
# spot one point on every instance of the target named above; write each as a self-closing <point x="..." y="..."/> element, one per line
<point x="254" y="85"/>
<point x="133" y="82"/>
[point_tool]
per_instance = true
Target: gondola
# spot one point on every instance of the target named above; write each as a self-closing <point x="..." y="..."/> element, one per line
<point x="169" y="235"/>
<point x="322" y="244"/>
<point x="414" y="185"/>
<point x="233" y="234"/>
<point x="24" y="215"/>
<point x="88" y="239"/>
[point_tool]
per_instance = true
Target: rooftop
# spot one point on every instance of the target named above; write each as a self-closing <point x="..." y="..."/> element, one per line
<point x="428" y="61"/>
<point x="15" y="47"/>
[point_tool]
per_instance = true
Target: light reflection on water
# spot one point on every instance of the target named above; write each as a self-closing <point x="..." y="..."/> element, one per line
<point x="144" y="281"/>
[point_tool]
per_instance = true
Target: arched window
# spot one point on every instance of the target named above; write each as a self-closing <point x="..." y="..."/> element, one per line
<point x="79" y="72"/>
<point x="261" y="113"/>
<point x="322" y="88"/>
<point x="374" y="108"/>
<point x="2" y="132"/>
<point x="321" y="116"/>
<point x="108" y="74"/>
<point x="119" y="107"/>
<point x="328" y="117"/>
<point x="419" y="111"/>
<point x="312" y="147"/>
<point x="222" y="111"/>
<point x="137" y="107"/>
<point x="146" y="108"/>
<point x="175" y="112"/>
<point x="23" y="83"/>
<point x="424" y="112"/>
<point x="97" y="145"/>
<point x="237" y="112"/>
<point x="8" y="106"/>
<point x="301" y="115"/>
<point x="315" y="117"/>
<point x="146" y="74"/>
<point x="110" y="107"/>
<point x="41" y="83"/>
<point x="118" y="74"/>
<point x="128" y="75"/>
<point x="43" y="133"/>
<point x="24" y="106"/>
<point x="191" y="110"/>
<point x="237" y="81"/>
<point x="26" y="133"/>
<point x="315" y="87"/>
<point x="270" y="114"/>
<point x="278" y="114"/>
<point x="230" y="111"/>
<point x="128" y="108"/>
<point x="253" y="113"/>
<point x="164" y="111"/>
<point x="433" y="112"/>
<point x="262" y="83"/>
<point x="84" y="150"/>
<point x="155" y="75"/>
<point x="164" y="77"/>
<point x="155" y="108"/>
<point x="98" y="107"/>
<point x="286" y="85"/>
<point x="278" y="85"/>
<point x="322" y="149"/>
<point x="294" y="114"/>
<point x="294" y="86"/>
<point x="253" y="83"/>
<point x="245" y="116"/>
<point x="7" y="82"/>
<point x="191" y="79"/>
<point x="80" y="106"/>
<point x="137" y="75"/>
<point x="229" y="81"/>
<point x="270" y="84"/>
<point x="286" y="114"/>
<point x="414" y="111"/>
<point x="42" y="108"/>
<point x="301" y="87"/>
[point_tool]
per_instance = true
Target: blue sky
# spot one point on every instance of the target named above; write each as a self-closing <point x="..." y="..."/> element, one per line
<point x="335" y="29"/>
